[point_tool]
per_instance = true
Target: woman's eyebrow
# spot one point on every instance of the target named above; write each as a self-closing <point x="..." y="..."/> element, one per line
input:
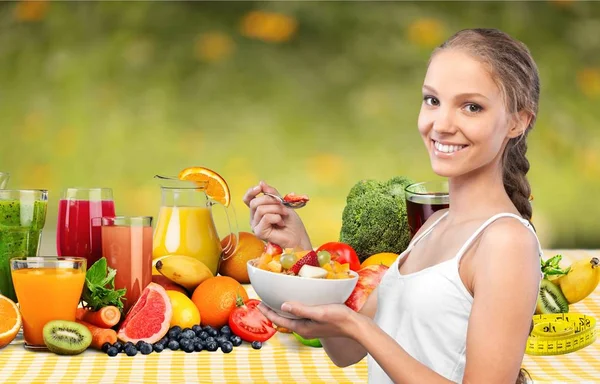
<point x="466" y="95"/>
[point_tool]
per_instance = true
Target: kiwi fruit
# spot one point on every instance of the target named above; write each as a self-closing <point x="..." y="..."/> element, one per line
<point x="66" y="337"/>
<point x="551" y="299"/>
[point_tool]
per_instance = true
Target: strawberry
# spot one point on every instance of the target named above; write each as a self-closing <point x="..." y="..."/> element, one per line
<point x="309" y="259"/>
<point x="293" y="198"/>
<point x="273" y="249"/>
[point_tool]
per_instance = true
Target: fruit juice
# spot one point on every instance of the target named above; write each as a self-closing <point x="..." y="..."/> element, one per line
<point x="128" y="249"/>
<point x="75" y="235"/>
<point x="420" y="208"/>
<point x="188" y="231"/>
<point x="46" y="294"/>
<point x="21" y="224"/>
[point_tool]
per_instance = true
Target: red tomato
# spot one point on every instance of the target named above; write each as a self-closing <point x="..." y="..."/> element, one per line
<point x="250" y="324"/>
<point x="342" y="253"/>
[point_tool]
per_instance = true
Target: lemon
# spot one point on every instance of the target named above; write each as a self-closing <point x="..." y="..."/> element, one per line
<point x="385" y="258"/>
<point x="185" y="312"/>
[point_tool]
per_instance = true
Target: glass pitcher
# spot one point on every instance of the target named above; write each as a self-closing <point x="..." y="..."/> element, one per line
<point x="185" y="226"/>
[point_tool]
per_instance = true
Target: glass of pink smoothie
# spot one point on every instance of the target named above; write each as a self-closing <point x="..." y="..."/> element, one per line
<point x="75" y="234"/>
<point x="127" y="247"/>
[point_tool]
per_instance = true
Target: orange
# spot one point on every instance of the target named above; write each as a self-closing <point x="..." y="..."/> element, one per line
<point x="10" y="321"/>
<point x="385" y="258"/>
<point x="215" y="299"/>
<point x="250" y="247"/>
<point x="216" y="187"/>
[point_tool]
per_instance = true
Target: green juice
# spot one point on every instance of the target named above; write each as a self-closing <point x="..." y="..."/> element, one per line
<point x="21" y="224"/>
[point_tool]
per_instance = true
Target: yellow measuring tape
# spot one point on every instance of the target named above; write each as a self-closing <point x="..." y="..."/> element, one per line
<point x="560" y="333"/>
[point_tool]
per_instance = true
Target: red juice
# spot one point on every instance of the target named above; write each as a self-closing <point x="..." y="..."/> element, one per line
<point x="419" y="209"/>
<point x="75" y="235"/>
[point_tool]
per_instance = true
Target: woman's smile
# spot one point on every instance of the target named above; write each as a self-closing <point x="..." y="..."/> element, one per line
<point x="447" y="150"/>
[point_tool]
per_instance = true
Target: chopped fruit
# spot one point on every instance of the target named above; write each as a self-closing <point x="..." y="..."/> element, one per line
<point x="214" y="185"/>
<point x="273" y="249"/>
<point x="274" y="266"/>
<point x="293" y="198"/>
<point x="288" y="260"/>
<point x="309" y="259"/>
<point x="324" y="257"/>
<point x="312" y="272"/>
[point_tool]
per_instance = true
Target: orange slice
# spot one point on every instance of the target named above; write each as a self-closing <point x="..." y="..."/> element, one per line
<point x="10" y="321"/>
<point x="216" y="187"/>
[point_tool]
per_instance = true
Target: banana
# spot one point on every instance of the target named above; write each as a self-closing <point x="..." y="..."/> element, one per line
<point x="581" y="280"/>
<point x="183" y="270"/>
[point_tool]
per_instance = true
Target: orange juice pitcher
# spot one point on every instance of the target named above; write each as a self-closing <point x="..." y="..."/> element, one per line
<point x="185" y="225"/>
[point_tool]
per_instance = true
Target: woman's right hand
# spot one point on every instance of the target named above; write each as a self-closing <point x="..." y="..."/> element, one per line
<point x="273" y="222"/>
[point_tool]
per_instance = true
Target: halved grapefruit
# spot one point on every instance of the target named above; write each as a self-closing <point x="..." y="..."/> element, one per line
<point x="148" y="320"/>
<point x="216" y="186"/>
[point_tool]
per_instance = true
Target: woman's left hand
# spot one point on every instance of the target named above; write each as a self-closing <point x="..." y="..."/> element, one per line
<point x="320" y="321"/>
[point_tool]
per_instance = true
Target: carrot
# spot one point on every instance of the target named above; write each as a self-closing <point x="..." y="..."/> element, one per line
<point x="105" y="317"/>
<point x="100" y="335"/>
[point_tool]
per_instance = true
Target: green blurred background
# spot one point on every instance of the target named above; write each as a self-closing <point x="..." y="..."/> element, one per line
<point x="309" y="96"/>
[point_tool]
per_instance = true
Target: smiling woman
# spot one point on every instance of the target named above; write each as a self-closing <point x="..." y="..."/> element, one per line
<point x="430" y="318"/>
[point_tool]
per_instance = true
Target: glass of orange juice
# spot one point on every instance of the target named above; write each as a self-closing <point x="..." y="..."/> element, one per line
<point x="48" y="288"/>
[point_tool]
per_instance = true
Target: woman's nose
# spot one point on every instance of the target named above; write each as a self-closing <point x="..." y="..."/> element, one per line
<point x="444" y="122"/>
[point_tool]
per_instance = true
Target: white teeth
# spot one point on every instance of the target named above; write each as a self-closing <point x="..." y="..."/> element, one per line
<point x="447" y="148"/>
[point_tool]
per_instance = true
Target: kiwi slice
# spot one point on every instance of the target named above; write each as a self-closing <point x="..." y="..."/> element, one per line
<point x="551" y="299"/>
<point x="66" y="337"/>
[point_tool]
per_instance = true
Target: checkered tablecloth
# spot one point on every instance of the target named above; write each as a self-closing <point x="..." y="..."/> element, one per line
<point x="282" y="359"/>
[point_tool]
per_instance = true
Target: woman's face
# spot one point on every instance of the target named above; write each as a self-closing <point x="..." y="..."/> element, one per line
<point x="463" y="119"/>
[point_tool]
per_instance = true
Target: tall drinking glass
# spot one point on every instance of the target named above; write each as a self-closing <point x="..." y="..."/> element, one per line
<point x="3" y="179"/>
<point x="127" y="247"/>
<point x="422" y="200"/>
<point x="22" y="218"/>
<point x="75" y="234"/>
<point x="48" y="288"/>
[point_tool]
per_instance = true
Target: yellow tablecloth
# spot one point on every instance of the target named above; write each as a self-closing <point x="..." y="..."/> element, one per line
<point x="281" y="359"/>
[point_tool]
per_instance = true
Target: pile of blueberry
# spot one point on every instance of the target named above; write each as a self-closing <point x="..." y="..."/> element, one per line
<point x="189" y="340"/>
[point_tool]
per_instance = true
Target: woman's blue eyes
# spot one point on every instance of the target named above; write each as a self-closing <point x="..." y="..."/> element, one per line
<point x="469" y="107"/>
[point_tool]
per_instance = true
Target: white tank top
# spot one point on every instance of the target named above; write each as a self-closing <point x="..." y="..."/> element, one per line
<point x="427" y="312"/>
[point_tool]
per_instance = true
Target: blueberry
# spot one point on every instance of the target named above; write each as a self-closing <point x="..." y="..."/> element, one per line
<point x="139" y="344"/>
<point x="212" y="332"/>
<point x="235" y="340"/>
<point x="188" y="348"/>
<point x="119" y="346"/>
<point x="210" y="339"/>
<point x="158" y="347"/>
<point x="105" y="347"/>
<point x="256" y="345"/>
<point x="173" y="345"/>
<point x="198" y="347"/>
<point x="112" y="351"/>
<point x="203" y="335"/>
<point x="174" y="332"/>
<point x="196" y="340"/>
<point x="146" y="349"/>
<point x="183" y="343"/>
<point x="221" y="339"/>
<point x="131" y="351"/>
<point x="128" y="344"/>
<point x="188" y="334"/>
<point x="206" y="328"/>
<point x="164" y="341"/>
<point x="226" y="347"/>
<point x="197" y="328"/>
<point x="226" y="331"/>
<point x="211" y="346"/>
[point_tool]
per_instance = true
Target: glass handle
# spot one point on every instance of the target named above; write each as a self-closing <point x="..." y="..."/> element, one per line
<point x="233" y="239"/>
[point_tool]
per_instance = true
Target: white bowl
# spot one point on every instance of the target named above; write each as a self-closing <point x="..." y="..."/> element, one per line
<point x="276" y="288"/>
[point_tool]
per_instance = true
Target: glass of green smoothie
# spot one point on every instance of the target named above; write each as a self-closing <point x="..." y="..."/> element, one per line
<point x="22" y="218"/>
<point x="3" y="179"/>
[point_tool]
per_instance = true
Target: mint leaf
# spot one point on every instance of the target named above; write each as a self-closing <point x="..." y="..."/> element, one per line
<point x="97" y="271"/>
<point x="99" y="287"/>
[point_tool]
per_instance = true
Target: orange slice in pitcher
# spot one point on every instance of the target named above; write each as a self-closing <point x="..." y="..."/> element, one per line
<point x="10" y="321"/>
<point x="216" y="187"/>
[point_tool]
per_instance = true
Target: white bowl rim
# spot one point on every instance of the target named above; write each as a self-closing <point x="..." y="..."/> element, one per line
<point x="353" y="273"/>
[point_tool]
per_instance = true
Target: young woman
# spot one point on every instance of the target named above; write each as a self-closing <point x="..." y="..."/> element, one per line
<point x="456" y="306"/>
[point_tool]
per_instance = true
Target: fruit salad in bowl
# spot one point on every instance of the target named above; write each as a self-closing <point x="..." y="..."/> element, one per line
<point x="306" y="277"/>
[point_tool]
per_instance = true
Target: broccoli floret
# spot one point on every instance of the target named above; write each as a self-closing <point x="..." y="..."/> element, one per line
<point x="374" y="219"/>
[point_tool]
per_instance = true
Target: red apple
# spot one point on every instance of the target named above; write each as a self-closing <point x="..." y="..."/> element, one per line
<point x="368" y="279"/>
<point x="168" y="284"/>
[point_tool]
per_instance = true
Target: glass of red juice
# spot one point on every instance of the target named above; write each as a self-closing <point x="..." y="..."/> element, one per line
<point x="127" y="248"/>
<point x="75" y="234"/>
<point x="422" y="200"/>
